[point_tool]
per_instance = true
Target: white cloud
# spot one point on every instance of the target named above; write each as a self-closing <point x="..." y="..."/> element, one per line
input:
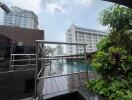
<point x="33" y="5"/>
<point x="83" y="3"/>
<point x="54" y="7"/>
<point x="102" y="28"/>
<point x="87" y="2"/>
<point x="51" y="6"/>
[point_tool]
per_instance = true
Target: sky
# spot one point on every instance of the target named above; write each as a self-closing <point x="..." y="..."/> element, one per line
<point x="56" y="16"/>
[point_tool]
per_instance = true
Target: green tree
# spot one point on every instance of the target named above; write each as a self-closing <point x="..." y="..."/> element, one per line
<point x="117" y="17"/>
<point x="113" y="60"/>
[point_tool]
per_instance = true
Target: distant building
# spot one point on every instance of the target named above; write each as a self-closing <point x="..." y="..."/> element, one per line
<point x="21" y="18"/>
<point x="59" y="49"/>
<point x="76" y="34"/>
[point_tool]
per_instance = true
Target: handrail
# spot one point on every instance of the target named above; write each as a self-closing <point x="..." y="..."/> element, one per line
<point x="66" y="43"/>
<point x="59" y="75"/>
<point x="23" y="60"/>
<point x="24" y="54"/>
<point x="13" y="60"/>
<point x="24" y="65"/>
<point x="56" y="58"/>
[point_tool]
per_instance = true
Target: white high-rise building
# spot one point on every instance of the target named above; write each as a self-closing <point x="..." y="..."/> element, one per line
<point x="59" y="49"/>
<point x="21" y="18"/>
<point x="76" y="34"/>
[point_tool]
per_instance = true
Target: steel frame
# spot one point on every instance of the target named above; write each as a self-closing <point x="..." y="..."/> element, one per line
<point x="12" y="60"/>
<point x="37" y="73"/>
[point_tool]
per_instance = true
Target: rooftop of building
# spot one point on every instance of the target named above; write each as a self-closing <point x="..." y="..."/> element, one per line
<point x="80" y="28"/>
<point x="17" y="8"/>
<point x="21" y="10"/>
<point x="25" y="35"/>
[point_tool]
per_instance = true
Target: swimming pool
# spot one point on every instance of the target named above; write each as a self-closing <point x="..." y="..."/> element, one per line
<point x="70" y="67"/>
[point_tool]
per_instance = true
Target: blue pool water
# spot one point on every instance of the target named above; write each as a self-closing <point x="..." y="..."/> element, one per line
<point x="70" y="67"/>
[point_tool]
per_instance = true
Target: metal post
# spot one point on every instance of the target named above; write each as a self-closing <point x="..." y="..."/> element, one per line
<point x="29" y="62"/>
<point x="85" y="56"/>
<point x="62" y="60"/>
<point x="50" y="67"/>
<point x="79" y="75"/>
<point x="44" y="57"/>
<point x="36" y="72"/>
<point x="13" y="58"/>
<point x="10" y="63"/>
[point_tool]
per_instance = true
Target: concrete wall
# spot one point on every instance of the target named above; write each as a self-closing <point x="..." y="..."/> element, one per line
<point x="14" y="85"/>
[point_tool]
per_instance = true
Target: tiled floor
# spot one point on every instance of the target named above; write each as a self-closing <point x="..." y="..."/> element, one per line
<point x="57" y="85"/>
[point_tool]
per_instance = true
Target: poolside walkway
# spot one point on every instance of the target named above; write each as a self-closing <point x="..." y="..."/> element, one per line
<point x="55" y="86"/>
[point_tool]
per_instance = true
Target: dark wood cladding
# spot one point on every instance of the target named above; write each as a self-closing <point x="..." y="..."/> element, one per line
<point x="17" y="34"/>
<point x="15" y="85"/>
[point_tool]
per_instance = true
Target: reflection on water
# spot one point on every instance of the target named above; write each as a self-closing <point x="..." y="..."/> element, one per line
<point x="69" y="67"/>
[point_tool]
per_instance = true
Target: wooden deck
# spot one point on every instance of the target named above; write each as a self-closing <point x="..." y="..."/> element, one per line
<point x="51" y="87"/>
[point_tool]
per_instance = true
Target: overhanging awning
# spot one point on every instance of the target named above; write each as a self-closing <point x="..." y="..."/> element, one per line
<point x="127" y="3"/>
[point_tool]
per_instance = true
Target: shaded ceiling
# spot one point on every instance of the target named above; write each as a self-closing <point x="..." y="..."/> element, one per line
<point x="127" y="3"/>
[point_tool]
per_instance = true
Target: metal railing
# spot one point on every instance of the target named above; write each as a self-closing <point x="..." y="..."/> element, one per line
<point x="41" y="57"/>
<point x="22" y="61"/>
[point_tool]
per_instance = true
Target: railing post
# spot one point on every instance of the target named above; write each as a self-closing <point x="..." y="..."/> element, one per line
<point x="29" y="62"/>
<point x="79" y="77"/>
<point x="85" y="55"/>
<point x="36" y="72"/>
<point x="12" y="62"/>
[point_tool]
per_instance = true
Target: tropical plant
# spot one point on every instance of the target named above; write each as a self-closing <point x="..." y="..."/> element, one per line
<point x="113" y="60"/>
<point x="49" y="51"/>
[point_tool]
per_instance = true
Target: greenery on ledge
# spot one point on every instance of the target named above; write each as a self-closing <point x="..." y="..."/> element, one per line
<point x="113" y="60"/>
